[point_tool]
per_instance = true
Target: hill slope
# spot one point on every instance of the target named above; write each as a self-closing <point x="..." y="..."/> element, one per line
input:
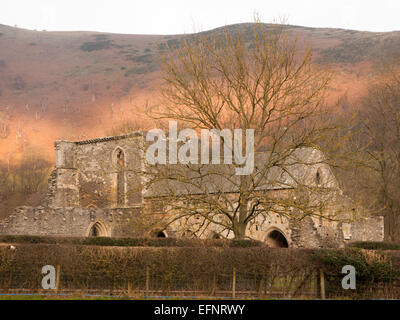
<point x="71" y="85"/>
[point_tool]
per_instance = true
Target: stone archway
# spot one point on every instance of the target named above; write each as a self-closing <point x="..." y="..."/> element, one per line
<point x="161" y="234"/>
<point x="276" y="239"/>
<point x="98" y="229"/>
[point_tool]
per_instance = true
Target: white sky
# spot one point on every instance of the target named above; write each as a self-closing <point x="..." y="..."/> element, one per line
<point x="180" y="16"/>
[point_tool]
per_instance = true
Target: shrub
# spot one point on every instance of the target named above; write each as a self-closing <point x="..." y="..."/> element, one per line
<point x="131" y="242"/>
<point x="371" y="245"/>
<point x="187" y="268"/>
<point x="18" y="83"/>
<point x="136" y="70"/>
<point x="369" y="268"/>
<point x="374" y="272"/>
<point x="146" y="58"/>
<point x="349" y="51"/>
<point x="244" y="243"/>
<point x="97" y="45"/>
<point x="141" y="70"/>
<point x="30" y="239"/>
<point x="170" y="268"/>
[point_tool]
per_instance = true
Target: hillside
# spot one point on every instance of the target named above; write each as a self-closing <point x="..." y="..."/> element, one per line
<point x="72" y="85"/>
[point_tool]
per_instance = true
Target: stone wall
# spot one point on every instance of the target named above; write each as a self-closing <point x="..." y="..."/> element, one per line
<point x="85" y="189"/>
<point x="365" y="229"/>
<point x="86" y="172"/>
<point x="72" y="221"/>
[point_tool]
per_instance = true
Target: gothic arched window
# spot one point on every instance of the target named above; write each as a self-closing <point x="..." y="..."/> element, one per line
<point x="119" y="162"/>
<point x="120" y="158"/>
<point x="318" y="177"/>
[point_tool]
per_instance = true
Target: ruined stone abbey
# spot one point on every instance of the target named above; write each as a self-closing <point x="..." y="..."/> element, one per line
<point x="95" y="190"/>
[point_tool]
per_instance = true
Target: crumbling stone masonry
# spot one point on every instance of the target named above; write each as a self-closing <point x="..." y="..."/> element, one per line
<point x="96" y="189"/>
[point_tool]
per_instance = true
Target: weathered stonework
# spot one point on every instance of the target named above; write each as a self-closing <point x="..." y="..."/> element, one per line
<point x="96" y="189"/>
<point x="71" y="221"/>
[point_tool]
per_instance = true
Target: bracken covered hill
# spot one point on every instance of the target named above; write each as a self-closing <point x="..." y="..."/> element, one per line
<point x="72" y="85"/>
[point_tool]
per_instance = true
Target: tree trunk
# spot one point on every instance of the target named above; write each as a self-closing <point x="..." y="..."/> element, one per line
<point x="239" y="230"/>
<point x="390" y="224"/>
<point x="240" y="223"/>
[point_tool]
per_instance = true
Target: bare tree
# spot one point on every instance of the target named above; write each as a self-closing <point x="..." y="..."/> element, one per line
<point x="379" y="121"/>
<point x="23" y="181"/>
<point x="33" y="171"/>
<point x="257" y="80"/>
<point x="125" y="127"/>
<point x="4" y="125"/>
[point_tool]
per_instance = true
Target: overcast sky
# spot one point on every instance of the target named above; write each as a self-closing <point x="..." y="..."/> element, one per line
<point x="185" y="16"/>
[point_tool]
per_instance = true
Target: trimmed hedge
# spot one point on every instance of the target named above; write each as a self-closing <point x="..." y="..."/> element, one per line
<point x="377" y="272"/>
<point x="371" y="245"/>
<point x="179" y="264"/>
<point x="370" y="266"/>
<point x="131" y="242"/>
<point x="204" y="268"/>
<point x="177" y="268"/>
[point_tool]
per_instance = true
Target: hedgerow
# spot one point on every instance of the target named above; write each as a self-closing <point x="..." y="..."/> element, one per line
<point x="131" y="242"/>
<point x="198" y="267"/>
<point x="375" y="245"/>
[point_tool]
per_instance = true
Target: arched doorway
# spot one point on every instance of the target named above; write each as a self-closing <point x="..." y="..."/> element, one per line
<point x="215" y="236"/>
<point x="161" y="234"/>
<point x="276" y="239"/>
<point x="98" y="229"/>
